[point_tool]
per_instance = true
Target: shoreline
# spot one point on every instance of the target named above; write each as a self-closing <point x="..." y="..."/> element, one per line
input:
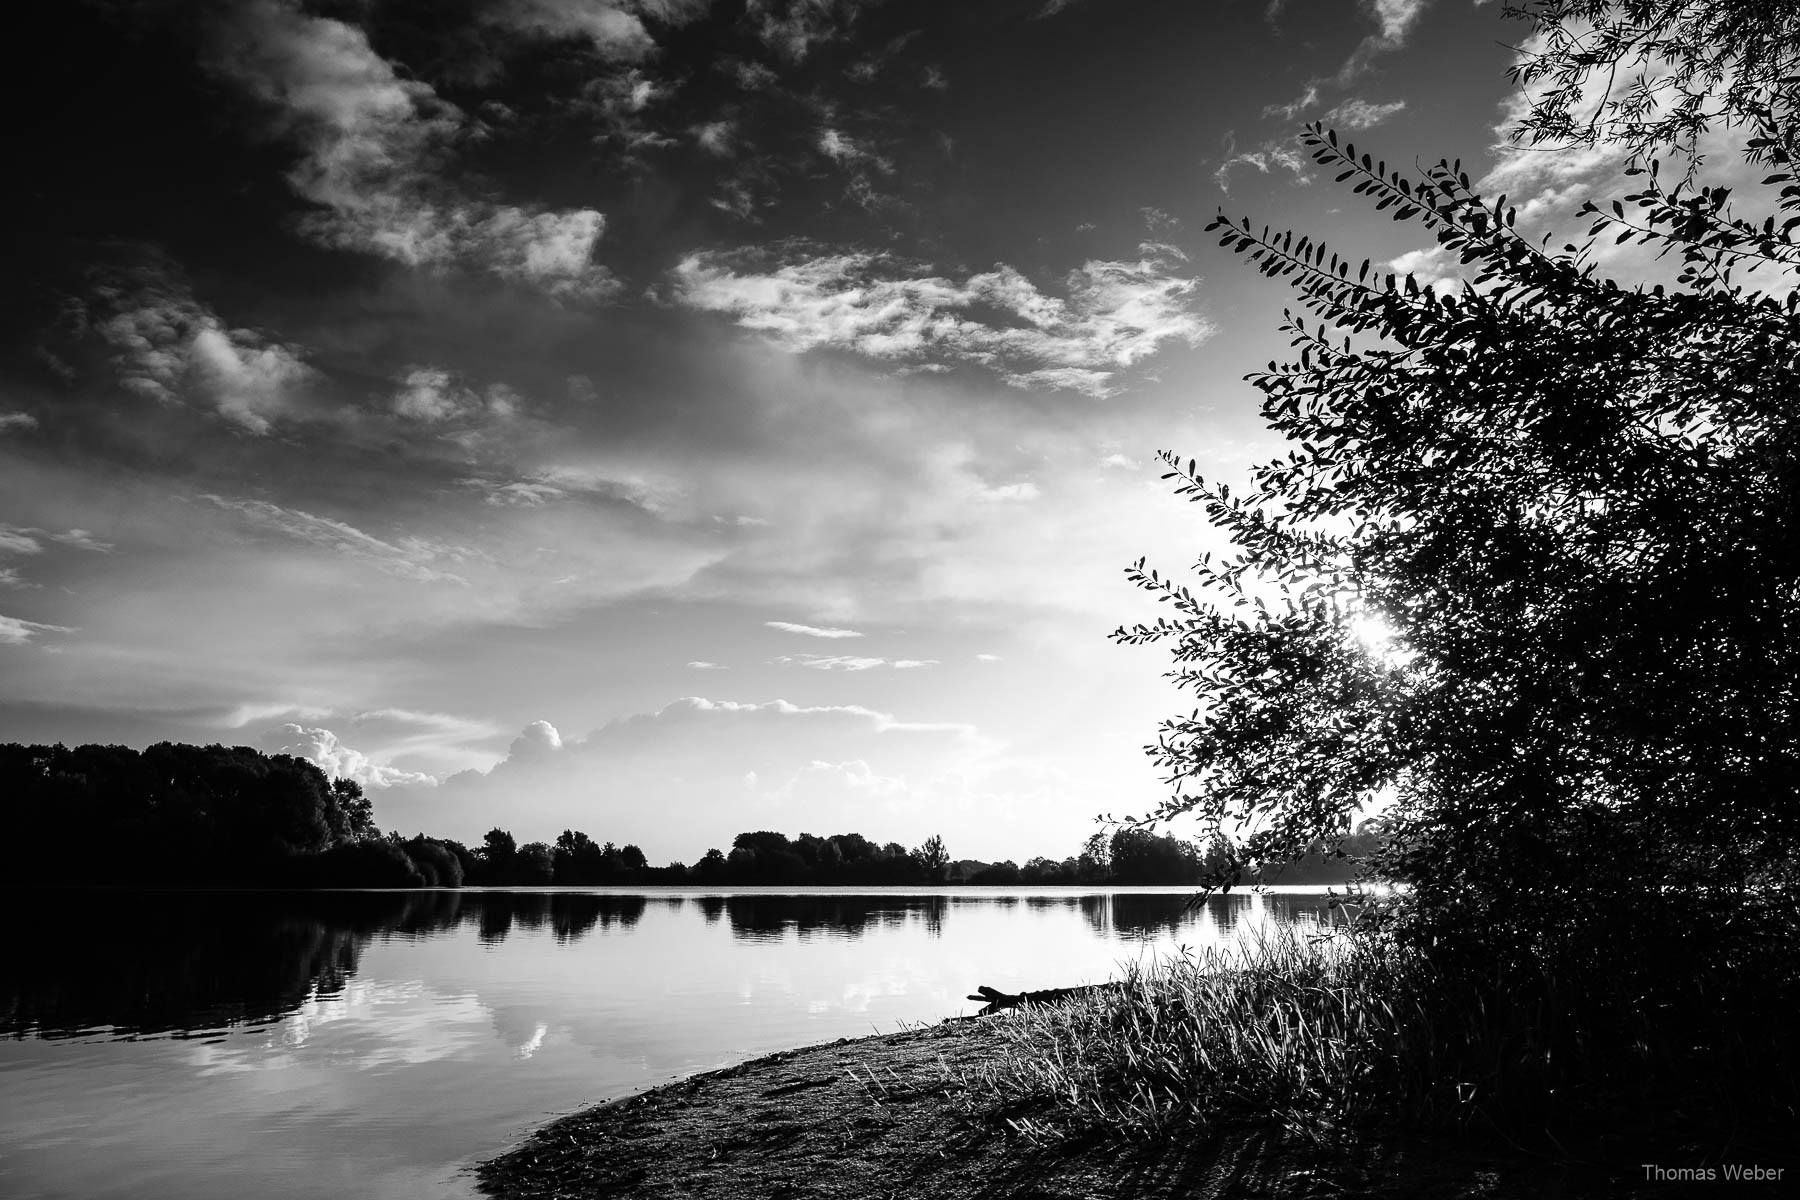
<point x="880" y="1116"/>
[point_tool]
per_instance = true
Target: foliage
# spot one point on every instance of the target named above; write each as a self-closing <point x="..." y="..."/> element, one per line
<point x="1572" y="503"/>
<point x="1657" y="73"/>
<point x="199" y="813"/>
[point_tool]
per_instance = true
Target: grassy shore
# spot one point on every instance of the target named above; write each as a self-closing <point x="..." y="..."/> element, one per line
<point x="1301" y="1068"/>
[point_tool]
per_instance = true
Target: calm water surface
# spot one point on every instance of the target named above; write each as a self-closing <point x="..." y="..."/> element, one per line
<point x="376" y="1044"/>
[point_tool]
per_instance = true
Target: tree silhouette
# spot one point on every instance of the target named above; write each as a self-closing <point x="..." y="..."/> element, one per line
<point x="1572" y="503"/>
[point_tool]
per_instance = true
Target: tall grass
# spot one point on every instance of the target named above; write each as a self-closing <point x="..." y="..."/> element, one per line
<point x="1328" y="1035"/>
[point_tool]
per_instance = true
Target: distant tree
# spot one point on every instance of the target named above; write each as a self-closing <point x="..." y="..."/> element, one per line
<point x="535" y="865"/>
<point x="437" y="864"/>
<point x="933" y="859"/>
<point x="711" y="868"/>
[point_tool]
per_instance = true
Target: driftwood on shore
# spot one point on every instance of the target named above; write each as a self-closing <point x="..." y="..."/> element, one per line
<point x="997" y="999"/>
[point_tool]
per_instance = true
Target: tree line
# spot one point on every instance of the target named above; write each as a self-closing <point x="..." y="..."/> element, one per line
<point x="219" y="816"/>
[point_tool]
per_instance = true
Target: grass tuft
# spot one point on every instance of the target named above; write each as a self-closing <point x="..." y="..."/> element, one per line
<point x="1328" y="1035"/>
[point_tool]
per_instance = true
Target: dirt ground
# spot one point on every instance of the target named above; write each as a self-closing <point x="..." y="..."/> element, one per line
<point x="878" y="1117"/>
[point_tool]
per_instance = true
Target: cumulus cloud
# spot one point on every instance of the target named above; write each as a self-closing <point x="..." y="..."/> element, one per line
<point x="537" y="738"/>
<point x="1112" y="314"/>
<point x="433" y="395"/>
<point x="1433" y="265"/>
<point x="15" y="631"/>
<point x="323" y="748"/>
<point x="10" y="421"/>
<point x="701" y="769"/>
<point x="812" y="630"/>
<point x="410" y="558"/>
<point x="171" y="348"/>
<point x="371" y="142"/>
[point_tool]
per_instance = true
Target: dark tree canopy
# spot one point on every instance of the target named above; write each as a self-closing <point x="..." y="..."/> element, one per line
<point x="1573" y="502"/>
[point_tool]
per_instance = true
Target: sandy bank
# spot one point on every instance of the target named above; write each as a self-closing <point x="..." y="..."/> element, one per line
<point x="877" y="1117"/>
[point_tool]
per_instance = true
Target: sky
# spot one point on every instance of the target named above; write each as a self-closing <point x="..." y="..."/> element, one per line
<point x="667" y="418"/>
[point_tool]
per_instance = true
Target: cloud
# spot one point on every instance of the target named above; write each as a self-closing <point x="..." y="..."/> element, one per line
<point x="10" y="421"/>
<point x="25" y="540"/>
<point x="1112" y="314"/>
<point x="371" y="145"/>
<point x="323" y="748"/>
<point x="850" y="662"/>
<point x="1394" y="20"/>
<point x="171" y="348"/>
<point x="812" y="630"/>
<point x="791" y="28"/>
<point x="433" y="395"/>
<point x="537" y="738"/>
<point x="715" y="137"/>
<point x="1014" y="492"/>
<point x="693" y="772"/>
<point x="1362" y="114"/>
<point x="1293" y="108"/>
<point x="15" y="631"/>
<point x="988" y="658"/>
<point x="829" y="662"/>
<point x="1280" y="154"/>
<point x="409" y="558"/>
<point x="701" y="665"/>
<point x="1433" y="265"/>
<point x="614" y="29"/>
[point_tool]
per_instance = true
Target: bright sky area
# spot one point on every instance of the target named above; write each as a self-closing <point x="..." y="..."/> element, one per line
<point x="666" y="418"/>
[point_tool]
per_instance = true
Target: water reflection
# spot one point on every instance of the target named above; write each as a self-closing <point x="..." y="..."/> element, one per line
<point x="187" y="964"/>
<point x="219" y="1045"/>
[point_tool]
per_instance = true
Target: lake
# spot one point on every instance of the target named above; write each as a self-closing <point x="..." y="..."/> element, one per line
<point x="377" y="1044"/>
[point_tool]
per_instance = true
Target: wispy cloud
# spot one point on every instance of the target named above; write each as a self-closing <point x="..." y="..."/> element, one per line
<point x="615" y="29"/>
<point x="812" y="630"/>
<point x="22" y="539"/>
<point x="1394" y="20"/>
<point x="10" y="421"/>
<point x="410" y="558"/>
<point x="15" y="631"/>
<point x="372" y="142"/>
<point x="1305" y="101"/>
<point x="1362" y="114"/>
<point x="703" y="665"/>
<point x="1279" y="154"/>
<point x="850" y="662"/>
<point x="791" y="28"/>
<point x="1112" y="314"/>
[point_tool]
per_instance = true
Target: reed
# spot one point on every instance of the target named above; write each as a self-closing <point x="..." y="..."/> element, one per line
<point x="1329" y="1035"/>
